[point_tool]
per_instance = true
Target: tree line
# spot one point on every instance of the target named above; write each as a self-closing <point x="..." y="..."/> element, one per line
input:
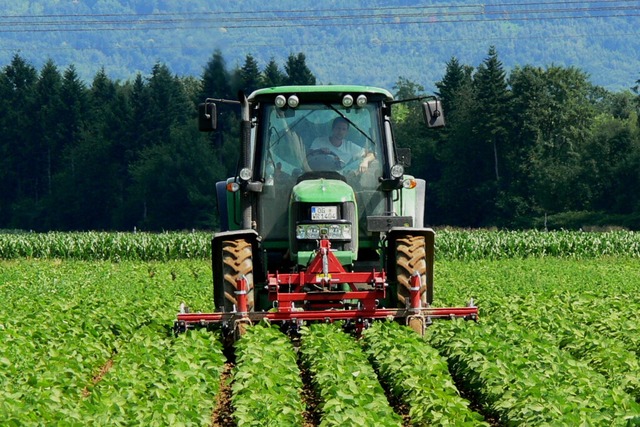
<point x="118" y="155"/>
<point x="112" y="155"/>
<point x="539" y="147"/>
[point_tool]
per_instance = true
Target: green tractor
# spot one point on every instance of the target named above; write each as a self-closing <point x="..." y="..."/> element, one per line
<point x="321" y="223"/>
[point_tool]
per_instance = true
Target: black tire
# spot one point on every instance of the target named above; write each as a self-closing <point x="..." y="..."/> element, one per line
<point x="237" y="260"/>
<point x="411" y="257"/>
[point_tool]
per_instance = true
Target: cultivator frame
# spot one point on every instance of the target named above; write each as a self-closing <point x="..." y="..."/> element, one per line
<point x="324" y="292"/>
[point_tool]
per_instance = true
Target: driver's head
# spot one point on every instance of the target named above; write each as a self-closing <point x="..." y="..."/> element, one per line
<point x="340" y="128"/>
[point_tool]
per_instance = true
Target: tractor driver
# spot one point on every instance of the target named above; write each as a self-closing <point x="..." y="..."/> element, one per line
<point x="342" y="149"/>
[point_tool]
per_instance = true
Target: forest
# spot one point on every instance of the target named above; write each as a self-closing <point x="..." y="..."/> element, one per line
<point x="536" y="147"/>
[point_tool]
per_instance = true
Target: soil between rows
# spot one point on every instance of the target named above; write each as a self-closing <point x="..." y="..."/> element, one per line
<point x="222" y="414"/>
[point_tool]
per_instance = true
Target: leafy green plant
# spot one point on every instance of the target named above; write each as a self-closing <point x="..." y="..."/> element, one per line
<point x="523" y="378"/>
<point x="266" y="383"/>
<point x="418" y="376"/>
<point x="70" y="329"/>
<point x="346" y="382"/>
<point x="450" y="245"/>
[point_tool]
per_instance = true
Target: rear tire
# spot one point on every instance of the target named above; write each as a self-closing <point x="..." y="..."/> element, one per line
<point x="411" y="257"/>
<point x="237" y="260"/>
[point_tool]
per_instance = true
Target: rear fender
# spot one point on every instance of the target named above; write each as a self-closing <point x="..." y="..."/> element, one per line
<point x="413" y="202"/>
<point x="229" y="212"/>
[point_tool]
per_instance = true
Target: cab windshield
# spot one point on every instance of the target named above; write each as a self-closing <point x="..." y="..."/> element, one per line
<point x="322" y="138"/>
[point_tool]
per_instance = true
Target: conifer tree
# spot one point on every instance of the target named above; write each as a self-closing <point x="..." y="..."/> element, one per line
<point x="297" y="71"/>
<point x="271" y="75"/>
<point x="248" y="77"/>
<point x="19" y="181"/>
<point x="47" y="130"/>
<point x="215" y="79"/>
<point x="492" y="96"/>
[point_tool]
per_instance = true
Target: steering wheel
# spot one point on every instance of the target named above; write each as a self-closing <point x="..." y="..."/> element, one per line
<point x="323" y="159"/>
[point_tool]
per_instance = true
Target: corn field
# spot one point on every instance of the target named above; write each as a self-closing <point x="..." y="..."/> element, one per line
<point x="450" y="245"/>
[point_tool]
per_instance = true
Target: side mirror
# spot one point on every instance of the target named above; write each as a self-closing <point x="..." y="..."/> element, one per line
<point x="207" y="117"/>
<point x="432" y="112"/>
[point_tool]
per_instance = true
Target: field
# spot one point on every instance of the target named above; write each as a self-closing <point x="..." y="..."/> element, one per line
<point x="85" y="339"/>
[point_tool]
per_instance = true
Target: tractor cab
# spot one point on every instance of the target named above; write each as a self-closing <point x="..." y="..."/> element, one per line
<point x="330" y="189"/>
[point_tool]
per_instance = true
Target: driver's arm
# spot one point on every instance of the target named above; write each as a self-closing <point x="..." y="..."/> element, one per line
<point x="368" y="158"/>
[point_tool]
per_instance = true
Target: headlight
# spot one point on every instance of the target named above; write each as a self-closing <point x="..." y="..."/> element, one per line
<point x="293" y="101"/>
<point x="308" y="232"/>
<point x="397" y="171"/>
<point x="245" y="174"/>
<point x="339" y="231"/>
<point x="315" y="231"/>
<point x="281" y="101"/>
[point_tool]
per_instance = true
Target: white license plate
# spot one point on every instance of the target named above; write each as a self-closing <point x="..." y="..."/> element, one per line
<point x="324" y="212"/>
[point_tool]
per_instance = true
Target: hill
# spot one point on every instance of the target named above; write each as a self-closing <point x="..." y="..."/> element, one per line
<point x="372" y="42"/>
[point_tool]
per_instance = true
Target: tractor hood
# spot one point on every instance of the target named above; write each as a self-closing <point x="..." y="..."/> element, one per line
<point x="322" y="191"/>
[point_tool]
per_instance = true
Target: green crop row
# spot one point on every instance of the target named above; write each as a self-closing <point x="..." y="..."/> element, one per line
<point x="112" y="246"/>
<point x="89" y="343"/>
<point x="418" y="376"/>
<point x="522" y="378"/>
<point x="450" y="245"/>
<point x="63" y="324"/>
<point x="157" y="380"/>
<point x="346" y="383"/>
<point x="267" y="384"/>
<point x="577" y="310"/>
<point x="610" y="343"/>
<point x="495" y="245"/>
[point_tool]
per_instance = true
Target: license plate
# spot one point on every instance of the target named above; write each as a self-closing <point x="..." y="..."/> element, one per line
<point x="324" y="212"/>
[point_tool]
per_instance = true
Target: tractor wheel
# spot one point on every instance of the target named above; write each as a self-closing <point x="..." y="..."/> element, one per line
<point x="237" y="260"/>
<point x="410" y="258"/>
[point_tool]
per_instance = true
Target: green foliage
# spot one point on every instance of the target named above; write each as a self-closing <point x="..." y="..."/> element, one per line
<point x="346" y="383"/>
<point x="485" y="244"/>
<point x="266" y="382"/>
<point x="560" y="323"/>
<point x="297" y="71"/>
<point x="99" y="156"/>
<point x="450" y="245"/>
<point x="523" y="378"/>
<point x="88" y="343"/>
<point x="423" y="383"/>
<point x="106" y="246"/>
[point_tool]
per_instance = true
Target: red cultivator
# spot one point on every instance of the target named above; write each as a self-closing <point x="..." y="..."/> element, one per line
<point x="325" y="292"/>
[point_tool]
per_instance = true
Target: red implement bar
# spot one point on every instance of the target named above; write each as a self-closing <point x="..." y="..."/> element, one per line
<point x="321" y="294"/>
<point x="378" y="313"/>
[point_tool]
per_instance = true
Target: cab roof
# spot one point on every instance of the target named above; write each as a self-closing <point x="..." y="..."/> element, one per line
<point x="323" y="92"/>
